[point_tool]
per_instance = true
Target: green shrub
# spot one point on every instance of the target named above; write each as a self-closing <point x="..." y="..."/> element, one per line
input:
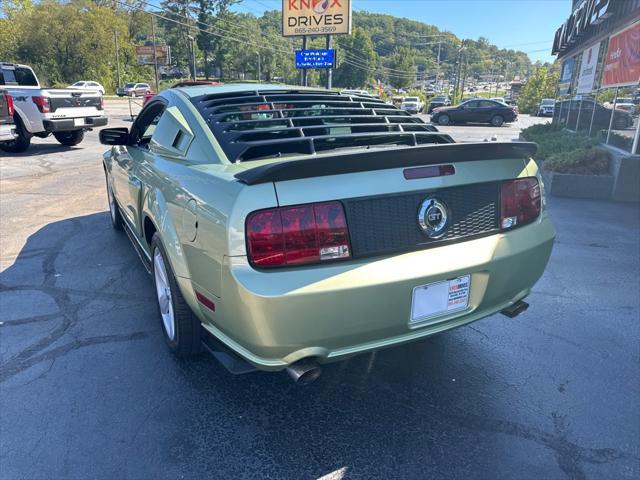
<point x="531" y="133"/>
<point x="552" y="139"/>
<point x="581" y="161"/>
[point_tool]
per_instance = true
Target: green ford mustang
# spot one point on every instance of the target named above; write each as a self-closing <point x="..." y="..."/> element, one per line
<point x="290" y="227"/>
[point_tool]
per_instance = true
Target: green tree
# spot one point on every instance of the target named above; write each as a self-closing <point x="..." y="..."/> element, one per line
<point x="401" y="67"/>
<point x="359" y="71"/>
<point x="542" y="84"/>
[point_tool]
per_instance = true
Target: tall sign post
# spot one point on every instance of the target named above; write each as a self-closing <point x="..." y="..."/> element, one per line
<point x="308" y="18"/>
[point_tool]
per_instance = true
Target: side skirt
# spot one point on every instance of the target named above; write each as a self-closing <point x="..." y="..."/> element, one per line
<point x="142" y="253"/>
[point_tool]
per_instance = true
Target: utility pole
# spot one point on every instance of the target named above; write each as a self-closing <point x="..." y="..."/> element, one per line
<point x="330" y="70"/>
<point x="455" y="90"/>
<point x="438" y="62"/>
<point x="259" y="67"/>
<point x="193" y="56"/>
<point x="155" y="53"/>
<point x="115" y="35"/>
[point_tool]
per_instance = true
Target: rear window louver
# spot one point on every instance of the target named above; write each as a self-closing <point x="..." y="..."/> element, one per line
<point x="266" y="124"/>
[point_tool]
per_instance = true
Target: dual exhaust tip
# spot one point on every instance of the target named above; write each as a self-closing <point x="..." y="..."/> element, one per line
<point x="304" y="372"/>
<point x="307" y="371"/>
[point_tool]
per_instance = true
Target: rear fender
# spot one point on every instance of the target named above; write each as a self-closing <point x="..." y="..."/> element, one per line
<point x="155" y="208"/>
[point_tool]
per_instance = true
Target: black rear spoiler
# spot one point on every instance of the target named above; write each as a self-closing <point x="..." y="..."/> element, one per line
<point x="380" y="159"/>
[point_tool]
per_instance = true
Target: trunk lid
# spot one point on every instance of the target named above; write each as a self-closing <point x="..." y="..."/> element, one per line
<point x="382" y="202"/>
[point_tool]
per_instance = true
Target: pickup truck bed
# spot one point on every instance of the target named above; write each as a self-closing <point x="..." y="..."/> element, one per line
<point x="65" y="113"/>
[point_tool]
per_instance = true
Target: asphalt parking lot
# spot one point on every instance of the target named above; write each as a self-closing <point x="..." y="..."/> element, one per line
<point x="89" y="390"/>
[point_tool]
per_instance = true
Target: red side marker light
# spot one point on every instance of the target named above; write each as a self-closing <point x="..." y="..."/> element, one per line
<point x="206" y="301"/>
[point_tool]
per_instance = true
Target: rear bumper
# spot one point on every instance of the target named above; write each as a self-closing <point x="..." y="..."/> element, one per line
<point x="67" y="124"/>
<point x="7" y="132"/>
<point x="331" y="312"/>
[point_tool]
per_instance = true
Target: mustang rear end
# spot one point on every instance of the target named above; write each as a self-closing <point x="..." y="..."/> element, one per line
<point x="300" y="226"/>
<point x="359" y="261"/>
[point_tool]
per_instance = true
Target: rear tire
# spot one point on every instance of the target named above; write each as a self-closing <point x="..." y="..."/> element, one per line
<point x="21" y="142"/>
<point x="180" y="327"/>
<point x="444" y="119"/>
<point x="71" y="138"/>
<point x="497" y="120"/>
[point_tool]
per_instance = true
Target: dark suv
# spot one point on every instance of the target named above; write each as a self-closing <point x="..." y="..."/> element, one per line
<point x="438" y="101"/>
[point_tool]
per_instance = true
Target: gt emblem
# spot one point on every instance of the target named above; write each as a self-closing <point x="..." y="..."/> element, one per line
<point x="433" y="217"/>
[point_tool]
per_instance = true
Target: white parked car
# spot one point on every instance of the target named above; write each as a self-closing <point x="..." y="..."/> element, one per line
<point x="412" y="105"/>
<point x="62" y="112"/>
<point x="88" y="85"/>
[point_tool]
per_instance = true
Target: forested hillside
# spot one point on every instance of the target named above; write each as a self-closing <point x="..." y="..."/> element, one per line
<point x="75" y="39"/>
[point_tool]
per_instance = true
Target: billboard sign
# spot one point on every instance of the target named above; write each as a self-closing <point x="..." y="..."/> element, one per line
<point x="315" y="58"/>
<point x="622" y="62"/>
<point x="586" y="14"/>
<point x="588" y="69"/>
<point x="316" y="17"/>
<point x="144" y="54"/>
<point x="565" y="78"/>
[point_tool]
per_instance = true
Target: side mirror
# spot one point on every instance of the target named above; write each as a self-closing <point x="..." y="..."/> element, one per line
<point x="114" y="136"/>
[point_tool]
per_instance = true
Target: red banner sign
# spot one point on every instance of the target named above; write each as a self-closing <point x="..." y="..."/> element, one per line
<point x="622" y="63"/>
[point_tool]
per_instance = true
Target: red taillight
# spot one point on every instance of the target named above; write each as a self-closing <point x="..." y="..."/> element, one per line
<point x="298" y="235"/>
<point x="42" y="103"/>
<point x="101" y="107"/>
<point x="520" y="202"/>
<point x="10" y="105"/>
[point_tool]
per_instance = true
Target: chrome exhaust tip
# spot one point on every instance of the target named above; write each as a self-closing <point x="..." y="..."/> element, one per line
<point x="304" y="372"/>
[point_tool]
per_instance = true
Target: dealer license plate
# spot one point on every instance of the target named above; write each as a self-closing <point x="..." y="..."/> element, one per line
<point x="78" y="122"/>
<point x="435" y="299"/>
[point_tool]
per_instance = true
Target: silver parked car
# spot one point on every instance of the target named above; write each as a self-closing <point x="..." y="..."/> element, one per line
<point x="133" y="89"/>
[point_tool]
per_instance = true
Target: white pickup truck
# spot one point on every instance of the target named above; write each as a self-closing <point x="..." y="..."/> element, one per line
<point x="40" y="112"/>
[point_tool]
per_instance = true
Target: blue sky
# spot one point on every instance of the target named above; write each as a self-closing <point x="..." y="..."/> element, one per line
<point x="527" y="25"/>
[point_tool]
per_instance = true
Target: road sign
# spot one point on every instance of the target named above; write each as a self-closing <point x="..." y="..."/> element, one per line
<point x="315" y="58"/>
<point x="144" y="54"/>
<point x="316" y="17"/>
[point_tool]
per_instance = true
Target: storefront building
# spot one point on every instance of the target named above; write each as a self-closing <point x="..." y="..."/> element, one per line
<point x="599" y="50"/>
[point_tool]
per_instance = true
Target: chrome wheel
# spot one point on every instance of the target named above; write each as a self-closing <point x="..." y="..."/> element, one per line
<point x="163" y="292"/>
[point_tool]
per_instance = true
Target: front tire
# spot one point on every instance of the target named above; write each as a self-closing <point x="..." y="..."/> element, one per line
<point x="114" y="211"/>
<point x="444" y="119"/>
<point x="71" y="138"/>
<point x="497" y="120"/>
<point x="21" y="142"/>
<point x="180" y="327"/>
